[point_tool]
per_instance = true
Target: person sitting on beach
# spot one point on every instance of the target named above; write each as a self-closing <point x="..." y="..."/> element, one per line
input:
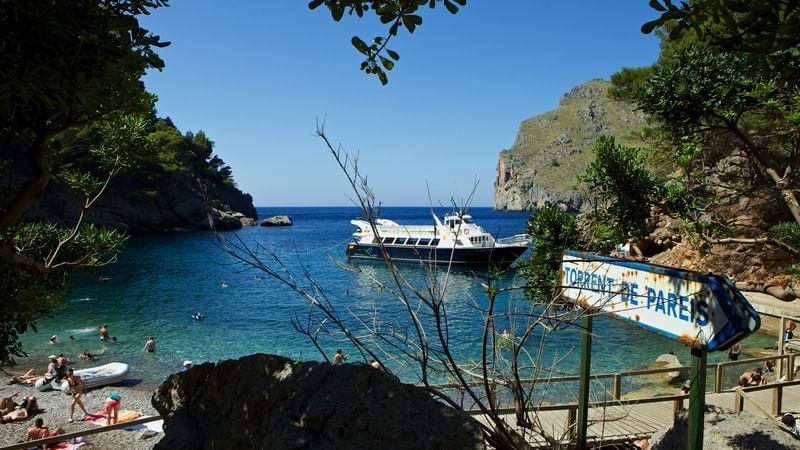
<point x="39" y="431"/>
<point x="28" y="377"/>
<point x="112" y="403"/>
<point x="150" y="345"/>
<point x="77" y="388"/>
<point x="51" y="367"/>
<point x="104" y="332"/>
<point x="788" y="330"/>
<point x="62" y="360"/>
<point x="752" y="378"/>
<point x="790" y="421"/>
<point x="7" y="404"/>
<point x="687" y="387"/>
<point x="27" y="408"/>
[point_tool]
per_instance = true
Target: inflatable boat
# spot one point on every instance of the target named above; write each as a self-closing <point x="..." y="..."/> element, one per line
<point x="93" y="377"/>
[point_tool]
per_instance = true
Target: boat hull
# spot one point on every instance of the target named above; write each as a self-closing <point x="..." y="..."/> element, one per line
<point x="500" y="257"/>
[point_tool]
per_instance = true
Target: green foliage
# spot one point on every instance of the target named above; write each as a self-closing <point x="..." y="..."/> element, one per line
<point x="28" y="296"/>
<point x="621" y="187"/>
<point x="553" y="231"/>
<point x="788" y="232"/>
<point x="626" y="83"/>
<point x="752" y="26"/>
<point x="68" y="63"/>
<point x="395" y="14"/>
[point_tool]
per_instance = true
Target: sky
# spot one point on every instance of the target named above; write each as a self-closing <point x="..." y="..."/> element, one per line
<point x="256" y="76"/>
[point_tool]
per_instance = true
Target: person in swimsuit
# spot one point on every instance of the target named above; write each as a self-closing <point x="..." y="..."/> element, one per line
<point x="338" y="358"/>
<point x="77" y="388"/>
<point x="104" y="332"/>
<point x="112" y="406"/>
<point x="150" y="345"/>
<point x="28" y="377"/>
<point x="39" y="431"/>
<point x="27" y="408"/>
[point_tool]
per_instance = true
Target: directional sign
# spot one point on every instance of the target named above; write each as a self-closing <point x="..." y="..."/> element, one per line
<point x="702" y="310"/>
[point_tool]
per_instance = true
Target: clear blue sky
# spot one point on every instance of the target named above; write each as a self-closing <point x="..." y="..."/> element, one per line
<point x="256" y="75"/>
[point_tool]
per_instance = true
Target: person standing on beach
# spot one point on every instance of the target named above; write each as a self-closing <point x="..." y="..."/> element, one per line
<point x="150" y="345"/>
<point x="112" y="406"/>
<point x="77" y="388"/>
<point x="104" y="332"/>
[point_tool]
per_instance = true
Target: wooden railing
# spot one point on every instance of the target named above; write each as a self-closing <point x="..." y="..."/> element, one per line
<point x="67" y="436"/>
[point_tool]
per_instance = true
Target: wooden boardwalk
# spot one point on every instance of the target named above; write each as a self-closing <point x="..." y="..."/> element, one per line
<point x="641" y="418"/>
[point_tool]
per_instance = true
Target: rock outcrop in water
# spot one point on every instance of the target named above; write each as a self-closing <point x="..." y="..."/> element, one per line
<point x="267" y="401"/>
<point x="277" y="221"/>
<point x="554" y="147"/>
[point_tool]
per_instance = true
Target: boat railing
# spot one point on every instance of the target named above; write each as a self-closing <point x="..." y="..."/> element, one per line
<point x="517" y="239"/>
<point x="407" y="229"/>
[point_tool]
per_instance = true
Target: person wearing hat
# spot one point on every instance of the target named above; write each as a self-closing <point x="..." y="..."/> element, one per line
<point x="52" y="365"/>
<point x="112" y="406"/>
<point x="186" y="365"/>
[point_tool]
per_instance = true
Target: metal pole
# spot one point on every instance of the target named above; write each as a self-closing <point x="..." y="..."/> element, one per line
<point x="586" y="367"/>
<point x="697" y="399"/>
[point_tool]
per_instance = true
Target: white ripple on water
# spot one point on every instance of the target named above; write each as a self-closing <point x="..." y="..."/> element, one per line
<point x="84" y="330"/>
<point x="84" y="299"/>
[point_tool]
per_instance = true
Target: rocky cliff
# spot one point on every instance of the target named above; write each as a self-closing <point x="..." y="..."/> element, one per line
<point x="177" y="201"/>
<point x="551" y="149"/>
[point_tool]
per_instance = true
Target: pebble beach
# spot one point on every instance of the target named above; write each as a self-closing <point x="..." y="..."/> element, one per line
<point x="56" y="405"/>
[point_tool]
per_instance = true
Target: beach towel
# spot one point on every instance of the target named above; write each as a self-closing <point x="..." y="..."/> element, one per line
<point x="66" y="445"/>
<point x="100" y="417"/>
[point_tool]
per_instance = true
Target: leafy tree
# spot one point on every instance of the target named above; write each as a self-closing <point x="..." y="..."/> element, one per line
<point x="65" y="65"/>
<point x="553" y="231"/>
<point x="750" y="26"/>
<point x="717" y="104"/>
<point x="621" y="188"/>
<point x="396" y="14"/>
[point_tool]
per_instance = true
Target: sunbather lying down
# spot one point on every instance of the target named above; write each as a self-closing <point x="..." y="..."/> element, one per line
<point x="28" y="377"/>
<point x="22" y="411"/>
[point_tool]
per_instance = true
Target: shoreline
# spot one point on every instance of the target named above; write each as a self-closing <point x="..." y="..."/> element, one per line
<point x="135" y="397"/>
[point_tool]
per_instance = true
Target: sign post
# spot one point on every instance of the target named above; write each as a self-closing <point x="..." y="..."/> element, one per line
<point x="703" y="311"/>
<point x="697" y="399"/>
<point x="586" y="367"/>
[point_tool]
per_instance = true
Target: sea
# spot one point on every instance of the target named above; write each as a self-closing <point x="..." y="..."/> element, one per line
<point x="162" y="279"/>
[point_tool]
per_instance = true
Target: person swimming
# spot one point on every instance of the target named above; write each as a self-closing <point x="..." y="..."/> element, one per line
<point x="198" y="316"/>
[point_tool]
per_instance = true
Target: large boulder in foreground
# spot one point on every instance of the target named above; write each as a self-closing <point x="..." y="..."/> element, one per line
<point x="267" y="401"/>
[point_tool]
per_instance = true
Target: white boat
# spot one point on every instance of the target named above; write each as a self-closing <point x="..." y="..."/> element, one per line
<point x="93" y="377"/>
<point x="457" y="240"/>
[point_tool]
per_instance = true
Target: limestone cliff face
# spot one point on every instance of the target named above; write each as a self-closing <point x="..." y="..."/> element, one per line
<point x="178" y="201"/>
<point x="551" y="149"/>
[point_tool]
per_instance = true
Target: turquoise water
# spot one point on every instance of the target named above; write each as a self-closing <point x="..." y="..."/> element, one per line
<point x="160" y="280"/>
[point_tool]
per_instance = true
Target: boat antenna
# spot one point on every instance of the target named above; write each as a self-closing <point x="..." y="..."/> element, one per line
<point x="430" y="203"/>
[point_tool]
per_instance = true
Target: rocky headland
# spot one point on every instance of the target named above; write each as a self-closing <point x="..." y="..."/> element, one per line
<point x="552" y="148"/>
<point x="173" y="201"/>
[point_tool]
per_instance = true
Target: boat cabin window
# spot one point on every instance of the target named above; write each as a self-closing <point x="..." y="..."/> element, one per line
<point x="434" y="242"/>
<point x="467" y="219"/>
<point x="424" y="241"/>
<point x="400" y="241"/>
<point x="411" y="241"/>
